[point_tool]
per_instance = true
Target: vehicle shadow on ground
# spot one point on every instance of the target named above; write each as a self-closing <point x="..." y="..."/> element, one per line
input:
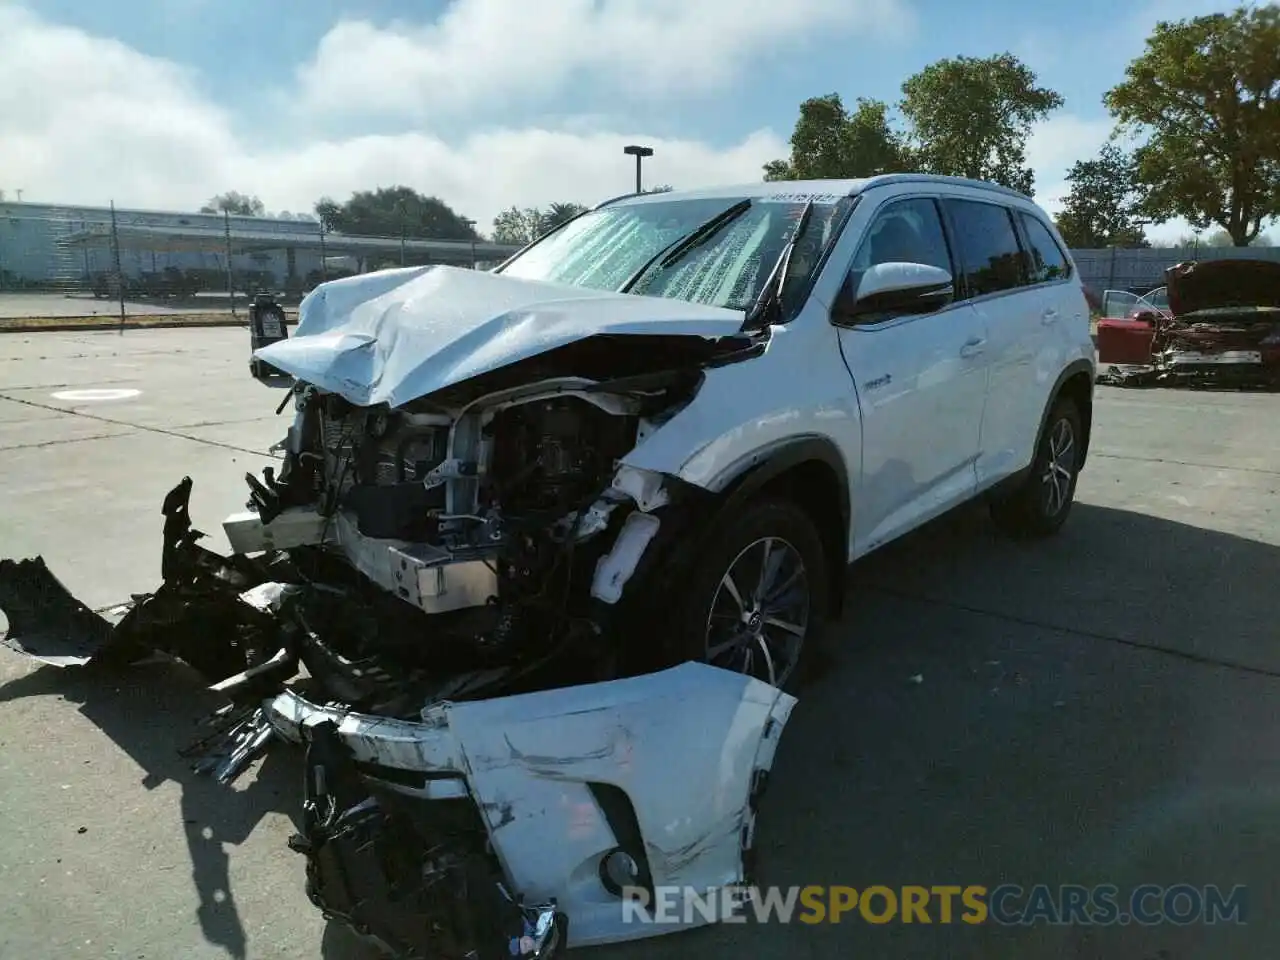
<point x="151" y="711"/>
<point x="1006" y="712"/>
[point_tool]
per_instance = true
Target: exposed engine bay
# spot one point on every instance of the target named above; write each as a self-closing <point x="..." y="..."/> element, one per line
<point x="490" y="538"/>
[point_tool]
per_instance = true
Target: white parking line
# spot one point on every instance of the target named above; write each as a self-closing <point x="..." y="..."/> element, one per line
<point x="96" y="395"/>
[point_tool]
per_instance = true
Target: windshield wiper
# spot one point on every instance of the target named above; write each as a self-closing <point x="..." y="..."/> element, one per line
<point x="770" y="297"/>
<point x="674" y="251"/>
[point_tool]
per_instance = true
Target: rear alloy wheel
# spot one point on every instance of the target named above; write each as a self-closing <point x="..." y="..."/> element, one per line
<point x="1040" y="506"/>
<point x="758" y="595"/>
<point x="1057" y="481"/>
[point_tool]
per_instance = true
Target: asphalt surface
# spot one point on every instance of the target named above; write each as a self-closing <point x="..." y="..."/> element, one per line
<point x="1100" y="708"/>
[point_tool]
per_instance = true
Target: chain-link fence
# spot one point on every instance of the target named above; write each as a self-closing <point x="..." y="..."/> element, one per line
<point x="104" y="262"/>
<point x="59" y="262"/>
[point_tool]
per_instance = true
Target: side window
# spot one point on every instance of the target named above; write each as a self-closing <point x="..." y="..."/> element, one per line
<point x="1047" y="261"/>
<point x="988" y="254"/>
<point x="905" y="231"/>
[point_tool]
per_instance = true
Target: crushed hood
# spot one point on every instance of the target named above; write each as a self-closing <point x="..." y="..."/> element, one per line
<point x="396" y="335"/>
<point x="1223" y="284"/>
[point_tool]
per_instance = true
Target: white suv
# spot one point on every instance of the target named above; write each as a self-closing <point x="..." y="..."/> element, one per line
<point x="525" y="515"/>
<point x="716" y="399"/>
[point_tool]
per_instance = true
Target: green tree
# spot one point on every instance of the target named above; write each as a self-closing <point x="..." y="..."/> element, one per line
<point x="558" y="213"/>
<point x="1101" y="208"/>
<point x="1206" y="95"/>
<point x="236" y="203"/>
<point x="1220" y="238"/>
<point x="971" y="117"/>
<point x="518" y="226"/>
<point x="830" y="141"/>
<point x="394" y="212"/>
<point x="521" y="226"/>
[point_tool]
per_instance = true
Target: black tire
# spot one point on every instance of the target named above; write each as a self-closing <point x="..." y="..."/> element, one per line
<point x="795" y="550"/>
<point x="1041" y="505"/>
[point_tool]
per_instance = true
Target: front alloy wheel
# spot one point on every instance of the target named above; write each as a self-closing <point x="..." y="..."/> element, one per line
<point x="760" y="612"/>
<point x="755" y="595"/>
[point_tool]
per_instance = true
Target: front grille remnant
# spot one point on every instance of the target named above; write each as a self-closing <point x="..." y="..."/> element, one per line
<point x="352" y="456"/>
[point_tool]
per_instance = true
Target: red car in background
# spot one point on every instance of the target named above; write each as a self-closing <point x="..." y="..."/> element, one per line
<point x="1212" y="319"/>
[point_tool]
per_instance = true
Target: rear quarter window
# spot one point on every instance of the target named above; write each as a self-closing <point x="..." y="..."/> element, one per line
<point x="1045" y="259"/>
<point x="987" y="253"/>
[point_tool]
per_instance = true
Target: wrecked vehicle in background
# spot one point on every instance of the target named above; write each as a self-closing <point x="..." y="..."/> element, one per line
<point x="1221" y="326"/>
<point x="549" y="543"/>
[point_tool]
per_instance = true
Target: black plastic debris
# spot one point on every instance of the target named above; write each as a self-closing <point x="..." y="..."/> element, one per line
<point x="45" y="621"/>
<point x="418" y="879"/>
<point x="196" y="615"/>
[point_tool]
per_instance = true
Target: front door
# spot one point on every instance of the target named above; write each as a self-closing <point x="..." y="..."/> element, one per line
<point x="921" y="383"/>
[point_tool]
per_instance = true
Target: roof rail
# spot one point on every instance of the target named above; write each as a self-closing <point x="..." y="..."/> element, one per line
<point x="605" y="203"/>
<point x="886" y="179"/>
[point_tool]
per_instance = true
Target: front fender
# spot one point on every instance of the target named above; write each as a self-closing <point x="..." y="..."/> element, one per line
<point x="799" y="389"/>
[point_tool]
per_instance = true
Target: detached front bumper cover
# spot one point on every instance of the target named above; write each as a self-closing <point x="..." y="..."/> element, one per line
<point x="482" y="828"/>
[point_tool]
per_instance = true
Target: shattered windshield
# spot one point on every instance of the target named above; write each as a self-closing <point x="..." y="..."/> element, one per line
<point x="604" y="249"/>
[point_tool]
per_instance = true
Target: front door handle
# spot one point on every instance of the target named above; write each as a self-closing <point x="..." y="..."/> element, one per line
<point x="972" y="347"/>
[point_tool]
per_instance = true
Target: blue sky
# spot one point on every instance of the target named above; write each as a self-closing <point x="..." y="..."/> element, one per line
<point x="487" y="103"/>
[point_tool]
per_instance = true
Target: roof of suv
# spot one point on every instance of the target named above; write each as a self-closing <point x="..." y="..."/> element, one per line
<point x="816" y="188"/>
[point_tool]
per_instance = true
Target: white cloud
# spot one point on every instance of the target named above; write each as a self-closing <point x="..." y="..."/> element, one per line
<point x="483" y="52"/>
<point x="110" y="123"/>
<point x="141" y="134"/>
<point x="489" y="171"/>
<point x="1058" y="142"/>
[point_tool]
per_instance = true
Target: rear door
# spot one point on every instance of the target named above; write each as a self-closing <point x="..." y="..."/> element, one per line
<point x="995" y="282"/>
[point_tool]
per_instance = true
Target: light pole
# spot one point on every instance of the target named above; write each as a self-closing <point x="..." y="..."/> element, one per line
<point x="639" y="153"/>
<point x="471" y="225"/>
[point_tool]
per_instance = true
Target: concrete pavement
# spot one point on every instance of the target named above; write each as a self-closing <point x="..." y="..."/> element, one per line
<point x="1098" y="708"/>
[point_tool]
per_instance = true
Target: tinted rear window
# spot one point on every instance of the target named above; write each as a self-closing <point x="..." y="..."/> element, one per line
<point x="987" y="253"/>
<point x="1047" y="261"/>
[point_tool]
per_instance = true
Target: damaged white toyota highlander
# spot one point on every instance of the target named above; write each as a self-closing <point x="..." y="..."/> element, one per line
<point x="537" y="578"/>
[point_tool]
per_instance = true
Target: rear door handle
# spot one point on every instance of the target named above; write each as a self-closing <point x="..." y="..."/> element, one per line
<point x="1049" y="316"/>
<point x="972" y="347"/>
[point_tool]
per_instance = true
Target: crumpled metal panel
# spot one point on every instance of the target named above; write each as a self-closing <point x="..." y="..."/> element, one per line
<point x="396" y="335"/>
<point x="687" y="746"/>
